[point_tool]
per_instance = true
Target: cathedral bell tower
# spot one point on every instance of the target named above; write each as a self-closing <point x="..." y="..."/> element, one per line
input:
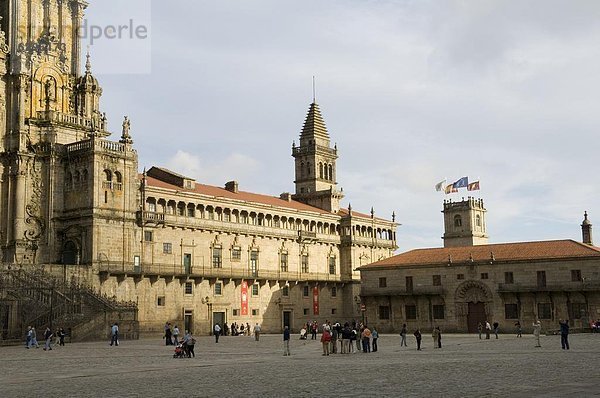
<point x="315" y="165"/>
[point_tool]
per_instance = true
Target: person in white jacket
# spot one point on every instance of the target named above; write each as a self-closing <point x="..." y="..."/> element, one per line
<point x="537" y="329"/>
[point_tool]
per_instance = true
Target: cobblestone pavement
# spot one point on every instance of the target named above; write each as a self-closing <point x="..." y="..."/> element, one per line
<point x="240" y="366"/>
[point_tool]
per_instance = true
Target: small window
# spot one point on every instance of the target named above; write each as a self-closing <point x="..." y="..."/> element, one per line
<point x="189" y="288"/>
<point x="305" y="291"/>
<point x="333" y="311"/>
<point x="457" y="221"/>
<point x="384" y="312"/>
<point x="305" y="311"/>
<point x="577" y="310"/>
<point x="411" y="311"/>
<point x="511" y="311"/>
<point x="216" y="257"/>
<point x="576" y="275"/>
<point x="544" y="310"/>
<point x="236" y="312"/>
<point x="332" y="266"/>
<point x="148" y="236"/>
<point x="218" y="289"/>
<point x="460" y="276"/>
<point x="333" y="291"/>
<point x="285" y="292"/>
<point x="236" y="253"/>
<point x="167" y="248"/>
<point x="382" y="282"/>
<point x="438" y="311"/>
<point x="437" y="280"/>
<point x="283" y="262"/>
<point x="304" y="261"/>
<point x="255" y="312"/>
<point x="160" y="301"/>
<point x="484" y="275"/>
<point x="255" y="290"/>
<point x="509" y="279"/>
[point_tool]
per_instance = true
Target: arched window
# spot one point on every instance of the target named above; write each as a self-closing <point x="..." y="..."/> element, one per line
<point x="107" y="175"/>
<point x="308" y="169"/>
<point x="302" y="172"/>
<point x="70" y="253"/>
<point x="457" y="221"/>
<point x="478" y="220"/>
<point x="330" y="173"/>
<point x="320" y="170"/>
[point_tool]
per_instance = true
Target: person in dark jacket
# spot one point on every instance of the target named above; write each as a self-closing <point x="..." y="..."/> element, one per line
<point x="564" y="334"/>
<point x="286" y="341"/>
<point x="418" y="337"/>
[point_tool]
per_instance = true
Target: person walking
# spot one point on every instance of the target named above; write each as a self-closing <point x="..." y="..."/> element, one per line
<point x="564" y="334"/>
<point x="496" y="328"/>
<point x="488" y="330"/>
<point x="418" y="337"/>
<point x="439" y="340"/>
<point x="537" y="329"/>
<point x="217" y="330"/>
<point x="325" y="340"/>
<point x="435" y="336"/>
<point x="403" y="332"/>
<point x="48" y="337"/>
<point x="257" y="332"/>
<point x="189" y="342"/>
<point x="34" y="341"/>
<point x="28" y="338"/>
<point x="286" y="341"/>
<point x="168" y="334"/>
<point x="375" y="336"/>
<point x="480" y="329"/>
<point x="114" y="334"/>
<point x="176" y="335"/>
<point x="519" y="329"/>
<point x="61" y="337"/>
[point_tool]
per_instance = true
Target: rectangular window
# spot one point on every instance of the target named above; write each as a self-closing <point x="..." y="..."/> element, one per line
<point x="438" y="311"/>
<point x="283" y="262"/>
<point x="384" y="312"/>
<point x="411" y="311"/>
<point x="167" y="248"/>
<point x="382" y="282"/>
<point x="332" y="266"/>
<point x="511" y="311"/>
<point x="305" y="311"/>
<point x="304" y="262"/>
<point x="409" y="284"/>
<point x="577" y="310"/>
<point x="333" y="311"/>
<point x="236" y="253"/>
<point x="305" y="291"/>
<point x="460" y="276"/>
<point x="333" y="291"/>
<point x="148" y="236"/>
<point x="160" y="301"/>
<point x="576" y="275"/>
<point x="254" y="311"/>
<point x="509" y="279"/>
<point x="137" y="262"/>
<point x="216" y="257"/>
<point x="236" y="312"/>
<point x="484" y="275"/>
<point x="437" y="280"/>
<point x="254" y="263"/>
<point x="541" y="279"/>
<point x="189" y="288"/>
<point x="544" y="310"/>
<point x="255" y="290"/>
<point x="285" y="292"/>
<point x="187" y="263"/>
<point x="218" y="289"/>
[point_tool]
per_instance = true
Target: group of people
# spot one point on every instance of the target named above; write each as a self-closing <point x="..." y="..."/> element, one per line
<point x="336" y="338"/>
<point x="436" y="334"/>
<point x="488" y="329"/>
<point x="32" y="341"/>
<point x="171" y="334"/>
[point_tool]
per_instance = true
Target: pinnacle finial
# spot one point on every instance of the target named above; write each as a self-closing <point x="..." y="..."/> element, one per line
<point x="88" y="62"/>
<point x="393" y="216"/>
<point x="314" y="91"/>
<point x="372" y="212"/>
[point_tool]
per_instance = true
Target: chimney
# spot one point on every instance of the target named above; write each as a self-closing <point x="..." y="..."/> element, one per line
<point x="586" y="230"/>
<point x="232" y="186"/>
<point x="286" y="196"/>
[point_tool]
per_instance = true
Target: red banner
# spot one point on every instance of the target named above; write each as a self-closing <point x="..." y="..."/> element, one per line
<point x="315" y="300"/>
<point x="244" y="298"/>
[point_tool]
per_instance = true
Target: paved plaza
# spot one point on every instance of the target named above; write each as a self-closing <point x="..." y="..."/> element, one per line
<point x="240" y="366"/>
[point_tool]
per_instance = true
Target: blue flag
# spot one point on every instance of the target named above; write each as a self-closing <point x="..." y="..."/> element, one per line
<point x="461" y="183"/>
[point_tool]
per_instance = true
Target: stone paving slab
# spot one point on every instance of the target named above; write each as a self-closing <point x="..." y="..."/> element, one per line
<point x="240" y="366"/>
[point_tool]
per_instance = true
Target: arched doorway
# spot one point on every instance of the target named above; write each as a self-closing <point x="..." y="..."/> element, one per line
<point x="70" y="253"/>
<point x="473" y="299"/>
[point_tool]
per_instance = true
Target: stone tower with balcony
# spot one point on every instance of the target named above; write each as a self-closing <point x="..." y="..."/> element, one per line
<point x="464" y="223"/>
<point x="59" y="174"/>
<point x="315" y="165"/>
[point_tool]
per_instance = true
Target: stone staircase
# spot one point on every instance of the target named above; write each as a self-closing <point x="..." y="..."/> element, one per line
<point x="33" y="297"/>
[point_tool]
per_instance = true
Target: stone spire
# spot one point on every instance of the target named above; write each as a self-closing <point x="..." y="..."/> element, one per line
<point x="586" y="230"/>
<point x="314" y="126"/>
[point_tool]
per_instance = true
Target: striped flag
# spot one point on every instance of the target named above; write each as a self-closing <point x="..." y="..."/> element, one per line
<point x="474" y="186"/>
<point x="450" y="189"/>
<point x="439" y="187"/>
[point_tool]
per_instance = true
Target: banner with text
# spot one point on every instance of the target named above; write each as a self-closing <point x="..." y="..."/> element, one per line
<point x="315" y="300"/>
<point x="244" y="298"/>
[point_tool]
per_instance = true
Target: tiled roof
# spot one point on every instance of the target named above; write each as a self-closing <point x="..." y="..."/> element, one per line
<point x="519" y="251"/>
<point x="314" y="124"/>
<point x="218" y="192"/>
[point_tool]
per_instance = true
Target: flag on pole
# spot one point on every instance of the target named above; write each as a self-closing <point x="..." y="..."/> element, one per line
<point x="439" y="187"/>
<point x="461" y="183"/>
<point x="450" y="189"/>
<point x="474" y="186"/>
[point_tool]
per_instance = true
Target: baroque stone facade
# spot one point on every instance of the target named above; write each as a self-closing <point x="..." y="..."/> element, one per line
<point x="458" y="286"/>
<point x="75" y="201"/>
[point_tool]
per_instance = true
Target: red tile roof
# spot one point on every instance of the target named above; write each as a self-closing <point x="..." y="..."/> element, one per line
<point x="502" y="252"/>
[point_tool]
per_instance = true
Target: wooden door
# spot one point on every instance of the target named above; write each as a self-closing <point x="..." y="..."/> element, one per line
<point x="476" y="314"/>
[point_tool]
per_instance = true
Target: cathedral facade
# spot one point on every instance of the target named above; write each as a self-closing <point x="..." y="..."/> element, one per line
<point x="74" y="202"/>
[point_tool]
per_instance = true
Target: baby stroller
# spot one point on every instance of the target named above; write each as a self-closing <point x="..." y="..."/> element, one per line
<point x="180" y="351"/>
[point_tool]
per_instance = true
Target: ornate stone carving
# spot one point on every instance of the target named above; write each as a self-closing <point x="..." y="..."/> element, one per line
<point x="34" y="220"/>
<point x="473" y="291"/>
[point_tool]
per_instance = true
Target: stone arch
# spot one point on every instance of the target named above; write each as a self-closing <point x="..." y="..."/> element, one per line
<point x="473" y="291"/>
<point x="70" y="254"/>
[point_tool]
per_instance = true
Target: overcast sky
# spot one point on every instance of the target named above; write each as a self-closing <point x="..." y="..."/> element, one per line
<point x="412" y="92"/>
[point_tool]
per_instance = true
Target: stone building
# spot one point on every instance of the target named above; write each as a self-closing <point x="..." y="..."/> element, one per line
<point x="470" y="281"/>
<point x="75" y="202"/>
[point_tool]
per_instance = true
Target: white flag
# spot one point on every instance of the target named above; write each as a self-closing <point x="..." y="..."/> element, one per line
<point x="439" y="187"/>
